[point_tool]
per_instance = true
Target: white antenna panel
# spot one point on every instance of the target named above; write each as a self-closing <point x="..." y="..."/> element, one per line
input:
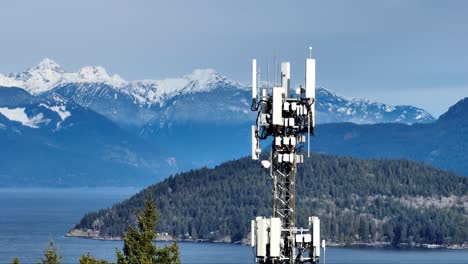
<point x="310" y="78"/>
<point x="254" y="79"/>
<point x="275" y="237"/>
<point x="285" y="77"/>
<point x="277" y="106"/>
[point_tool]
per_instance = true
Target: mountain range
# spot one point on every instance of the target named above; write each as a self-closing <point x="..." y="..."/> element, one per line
<point x="52" y="141"/>
<point x="443" y="143"/>
<point x="200" y="119"/>
<point x="135" y="103"/>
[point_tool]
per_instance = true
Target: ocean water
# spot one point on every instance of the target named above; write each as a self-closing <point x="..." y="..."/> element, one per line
<point x="29" y="218"/>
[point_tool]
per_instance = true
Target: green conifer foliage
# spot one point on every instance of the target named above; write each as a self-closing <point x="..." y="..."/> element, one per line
<point x="358" y="201"/>
<point x="50" y="255"/>
<point x="138" y="246"/>
<point x="88" y="259"/>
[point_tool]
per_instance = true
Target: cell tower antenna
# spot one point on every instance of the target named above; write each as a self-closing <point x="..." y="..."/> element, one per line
<point x="268" y="74"/>
<point x="258" y="78"/>
<point x="286" y="118"/>
<point x="276" y="69"/>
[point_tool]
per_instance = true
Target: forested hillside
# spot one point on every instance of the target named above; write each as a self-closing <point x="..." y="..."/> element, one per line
<point x="443" y="144"/>
<point x="358" y="200"/>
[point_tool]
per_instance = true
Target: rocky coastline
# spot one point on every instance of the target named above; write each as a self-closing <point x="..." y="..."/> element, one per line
<point x="164" y="237"/>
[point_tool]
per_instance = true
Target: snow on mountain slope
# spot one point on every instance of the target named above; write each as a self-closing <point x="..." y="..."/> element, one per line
<point x="60" y="110"/>
<point x="157" y="92"/>
<point x="198" y="96"/>
<point x="333" y="108"/>
<point x="65" y="144"/>
<point x="19" y="115"/>
<point x="46" y="112"/>
<point x="48" y="74"/>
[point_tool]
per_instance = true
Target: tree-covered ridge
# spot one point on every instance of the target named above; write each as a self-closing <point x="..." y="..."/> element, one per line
<point x="358" y="200"/>
<point x="443" y="144"/>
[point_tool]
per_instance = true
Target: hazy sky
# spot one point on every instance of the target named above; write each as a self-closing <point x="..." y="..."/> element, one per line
<point x="399" y="52"/>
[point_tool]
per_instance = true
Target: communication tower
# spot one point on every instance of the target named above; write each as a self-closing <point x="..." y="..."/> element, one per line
<point x="287" y="117"/>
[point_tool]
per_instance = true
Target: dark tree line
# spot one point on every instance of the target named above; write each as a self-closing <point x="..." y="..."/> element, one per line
<point x="357" y="200"/>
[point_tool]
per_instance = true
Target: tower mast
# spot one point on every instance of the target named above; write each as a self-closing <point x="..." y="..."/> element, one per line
<point x="286" y="118"/>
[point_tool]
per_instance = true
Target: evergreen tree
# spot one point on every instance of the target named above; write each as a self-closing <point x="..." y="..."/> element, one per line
<point x="50" y="255"/>
<point x="15" y="261"/>
<point x="88" y="259"/>
<point x="169" y="254"/>
<point x="138" y="246"/>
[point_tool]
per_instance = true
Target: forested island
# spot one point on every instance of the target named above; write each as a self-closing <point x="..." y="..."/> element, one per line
<point x="371" y="202"/>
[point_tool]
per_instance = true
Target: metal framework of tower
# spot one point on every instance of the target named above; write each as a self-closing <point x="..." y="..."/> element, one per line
<point x="286" y="118"/>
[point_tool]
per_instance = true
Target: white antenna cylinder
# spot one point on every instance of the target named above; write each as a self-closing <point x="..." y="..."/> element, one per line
<point x="252" y="233"/>
<point x="254" y="79"/>
<point x="278" y="105"/>
<point x="310" y="79"/>
<point x="286" y="69"/>
<point x="275" y="237"/>
<point x="310" y="87"/>
<point x="285" y="77"/>
<point x="314" y="223"/>
<point x="323" y="246"/>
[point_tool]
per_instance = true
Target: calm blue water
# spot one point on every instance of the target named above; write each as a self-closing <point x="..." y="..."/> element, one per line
<point x="30" y="217"/>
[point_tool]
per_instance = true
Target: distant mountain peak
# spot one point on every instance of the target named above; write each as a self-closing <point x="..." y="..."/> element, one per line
<point x="151" y="92"/>
<point x="91" y="84"/>
<point x="204" y="76"/>
<point x="47" y="64"/>
<point x="203" y="80"/>
<point x="48" y="74"/>
<point x="458" y="112"/>
<point x="97" y="74"/>
<point x="332" y="108"/>
<point x="93" y="71"/>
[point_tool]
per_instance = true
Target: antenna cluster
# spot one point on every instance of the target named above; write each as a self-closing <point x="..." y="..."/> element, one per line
<point x="286" y="117"/>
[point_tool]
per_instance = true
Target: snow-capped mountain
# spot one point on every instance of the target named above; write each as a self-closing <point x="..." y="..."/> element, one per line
<point x="90" y="122"/>
<point x="49" y="140"/>
<point x="48" y="74"/>
<point x="199" y="96"/>
<point x="158" y="92"/>
<point x="139" y="102"/>
<point x="333" y="108"/>
<point x="23" y="110"/>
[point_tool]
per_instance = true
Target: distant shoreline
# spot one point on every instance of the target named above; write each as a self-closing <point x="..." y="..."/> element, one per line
<point x="90" y="234"/>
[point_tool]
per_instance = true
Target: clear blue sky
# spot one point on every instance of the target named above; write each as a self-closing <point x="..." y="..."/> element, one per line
<point x="399" y="52"/>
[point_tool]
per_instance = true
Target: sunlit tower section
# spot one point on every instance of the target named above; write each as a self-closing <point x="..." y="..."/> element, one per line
<point x="287" y="118"/>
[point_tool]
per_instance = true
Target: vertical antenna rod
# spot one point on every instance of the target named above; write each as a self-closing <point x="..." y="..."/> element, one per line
<point x="310" y="95"/>
<point x="268" y="74"/>
<point x="276" y="70"/>
<point x="254" y="79"/>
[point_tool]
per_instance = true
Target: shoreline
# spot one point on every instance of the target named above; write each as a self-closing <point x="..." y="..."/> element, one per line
<point x="90" y="234"/>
